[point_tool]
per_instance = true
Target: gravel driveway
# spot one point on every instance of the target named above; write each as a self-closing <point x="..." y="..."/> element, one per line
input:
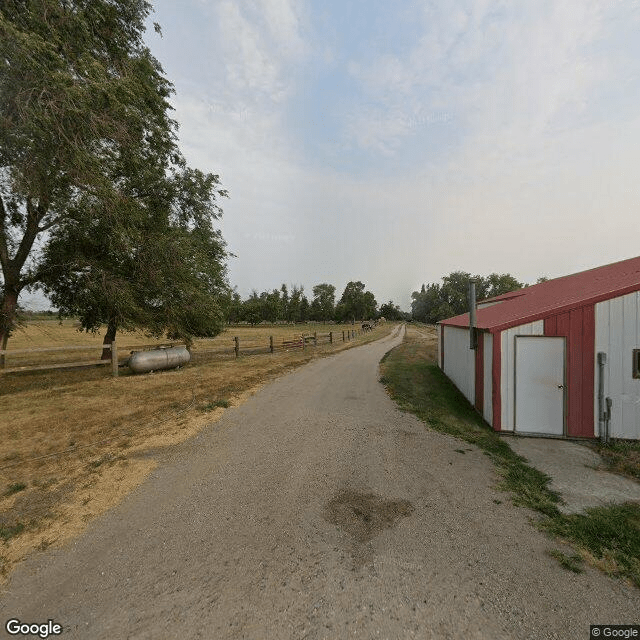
<point x="317" y="510"/>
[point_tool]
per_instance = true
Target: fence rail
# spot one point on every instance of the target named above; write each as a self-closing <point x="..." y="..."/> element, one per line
<point x="238" y="348"/>
<point x="61" y="365"/>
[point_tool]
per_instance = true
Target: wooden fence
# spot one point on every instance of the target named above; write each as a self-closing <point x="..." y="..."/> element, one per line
<point x="113" y="360"/>
<point x="238" y="348"/>
<point x="252" y="347"/>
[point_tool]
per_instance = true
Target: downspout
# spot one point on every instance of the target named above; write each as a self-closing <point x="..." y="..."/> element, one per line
<point x="607" y="419"/>
<point x="604" y="406"/>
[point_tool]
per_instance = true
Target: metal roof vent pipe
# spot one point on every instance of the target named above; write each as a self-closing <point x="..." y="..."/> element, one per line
<point x="473" y="336"/>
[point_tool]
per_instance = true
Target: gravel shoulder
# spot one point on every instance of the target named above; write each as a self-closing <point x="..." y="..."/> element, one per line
<point x="317" y="510"/>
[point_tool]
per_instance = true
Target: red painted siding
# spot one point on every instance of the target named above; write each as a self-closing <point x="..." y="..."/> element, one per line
<point x="496" y="374"/>
<point x="578" y="326"/>
<point x="480" y="373"/>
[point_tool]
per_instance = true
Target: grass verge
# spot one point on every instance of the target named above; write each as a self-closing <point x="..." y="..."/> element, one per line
<point x="621" y="457"/>
<point x="608" y="536"/>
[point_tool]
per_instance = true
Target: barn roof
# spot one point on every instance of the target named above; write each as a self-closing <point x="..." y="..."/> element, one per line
<point x="555" y="296"/>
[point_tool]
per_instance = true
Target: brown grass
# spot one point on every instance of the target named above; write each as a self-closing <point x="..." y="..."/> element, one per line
<point x="621" y="456"/>
<point x="80" y="440"/>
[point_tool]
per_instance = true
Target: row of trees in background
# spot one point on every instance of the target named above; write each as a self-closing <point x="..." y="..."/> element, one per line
<point x="435" y="301"/>
<point x="292" y="305"/>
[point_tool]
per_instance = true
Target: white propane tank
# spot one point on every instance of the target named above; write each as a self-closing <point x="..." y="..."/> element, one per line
<point x="163" y="358"/>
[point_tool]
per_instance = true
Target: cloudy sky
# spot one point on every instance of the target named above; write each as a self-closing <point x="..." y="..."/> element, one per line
<point x="396" y="142"/>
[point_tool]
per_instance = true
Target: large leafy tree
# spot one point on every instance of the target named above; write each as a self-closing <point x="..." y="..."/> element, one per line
<point x="160" y="267"/>
<point x="434" y="302"/>
<point x="89" y="165"/>
<point x="75" y="81"/>
<point x="356" y="303"/>
<point x="495" y="284"/>
<point x="323" y="303"/>
<point x="295" y="306"/>
<point x="390" y="311"/>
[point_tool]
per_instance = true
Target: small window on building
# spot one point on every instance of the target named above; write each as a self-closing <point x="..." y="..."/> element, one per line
<point x="636" y="363"/>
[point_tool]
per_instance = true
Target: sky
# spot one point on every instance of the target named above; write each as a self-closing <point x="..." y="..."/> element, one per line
<point x="394" y="143"/>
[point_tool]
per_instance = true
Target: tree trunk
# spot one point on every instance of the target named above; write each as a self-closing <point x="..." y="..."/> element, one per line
<point x="109" y="337"/>
<point x="7" y="317"/>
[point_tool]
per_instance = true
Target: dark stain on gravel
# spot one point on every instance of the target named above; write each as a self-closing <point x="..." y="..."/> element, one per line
<point x="363" y="516"/>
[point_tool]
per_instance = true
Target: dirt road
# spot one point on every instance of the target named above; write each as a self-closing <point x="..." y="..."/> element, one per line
<point x="317" y="510"/>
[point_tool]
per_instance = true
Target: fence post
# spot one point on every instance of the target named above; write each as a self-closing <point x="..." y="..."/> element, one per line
<point x="315" y="338"/>
<point x="330" y="337"/>
<point x="271" y="344"/>
<point x="114" y="359"/>
<point x="304" y="342"/>
<point x="237" y="346"/>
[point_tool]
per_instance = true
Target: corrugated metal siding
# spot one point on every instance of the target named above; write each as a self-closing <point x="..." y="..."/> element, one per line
<point x="617" y="333"/>
<point x="459" y="360"/>
<point x="507" y="388"/>
<point x="487" y="412"/>
<point x="578" y="326"/>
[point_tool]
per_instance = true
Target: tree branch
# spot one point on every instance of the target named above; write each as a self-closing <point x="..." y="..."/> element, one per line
<point x="34" y="215"/>
<point x="51" y="223"/>
<point x="4" y="249"/>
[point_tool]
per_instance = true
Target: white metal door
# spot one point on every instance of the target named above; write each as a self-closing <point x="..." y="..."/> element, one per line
<point x="540" y="384"/>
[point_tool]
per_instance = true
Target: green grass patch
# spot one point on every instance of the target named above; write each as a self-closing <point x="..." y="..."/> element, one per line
<point x="610" y="535"/>
<point x="9" y="531"/>
<point x="210" y="406"/>
<point x="621" y="456"/>
<point x="15" y="488"/>
<point x="571" y="562"/>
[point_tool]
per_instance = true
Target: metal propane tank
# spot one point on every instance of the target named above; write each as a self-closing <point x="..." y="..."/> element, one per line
<point x="162" y="358"/>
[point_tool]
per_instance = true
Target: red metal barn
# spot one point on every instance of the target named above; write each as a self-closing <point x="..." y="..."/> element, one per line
<point x="537" y="369"/>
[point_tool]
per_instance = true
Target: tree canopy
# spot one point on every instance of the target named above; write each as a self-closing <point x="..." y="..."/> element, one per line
<point x="324" y="302"/>
<point x="391" y="311"/>
<point x="434" y="301"/>
<point x="356" y="303"/>
<point x="291" y="305"/>
<point x="90" y="168"/>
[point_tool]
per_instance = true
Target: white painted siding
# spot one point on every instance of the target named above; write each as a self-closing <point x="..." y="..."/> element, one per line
<point x="439" y="336"/>
<point x="487" y="403"/>
<point x="617" y="334"/>
<point x="459" y="360"/>
<point x="507" y="379"/>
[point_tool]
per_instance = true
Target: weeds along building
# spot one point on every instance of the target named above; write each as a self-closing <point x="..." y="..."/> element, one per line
<point x="550" y="359"/>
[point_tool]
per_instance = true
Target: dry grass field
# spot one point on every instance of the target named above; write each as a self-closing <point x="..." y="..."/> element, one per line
<point x="55" y="333"/>
<point x="76" y="441"/>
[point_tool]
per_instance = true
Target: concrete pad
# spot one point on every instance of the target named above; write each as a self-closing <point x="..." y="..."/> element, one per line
<point x="577" y="473"/>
